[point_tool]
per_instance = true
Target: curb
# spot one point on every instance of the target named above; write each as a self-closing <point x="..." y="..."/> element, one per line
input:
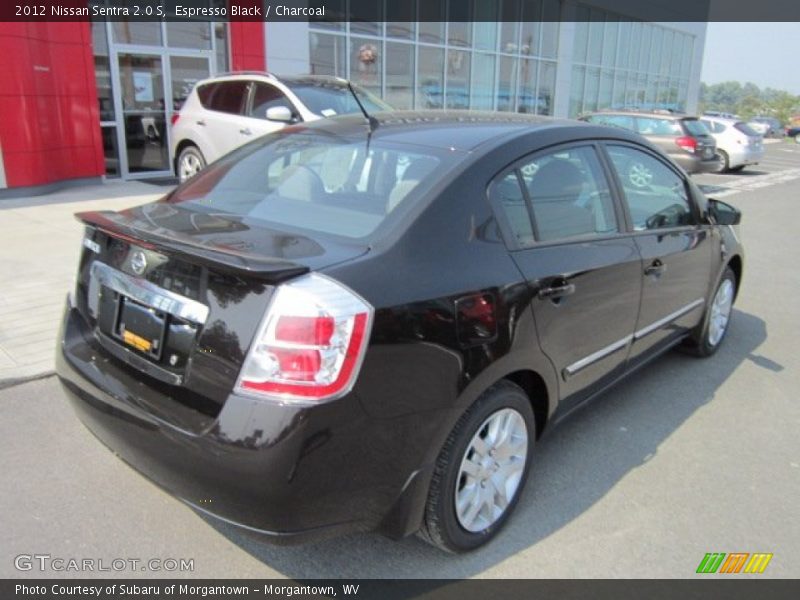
<point x="15" y="381"/>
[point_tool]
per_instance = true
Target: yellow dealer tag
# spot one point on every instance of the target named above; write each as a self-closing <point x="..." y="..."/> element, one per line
<point x="136" y="341"/>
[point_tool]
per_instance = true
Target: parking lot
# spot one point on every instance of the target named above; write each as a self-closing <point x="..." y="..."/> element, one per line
<point x="686" y="457"/>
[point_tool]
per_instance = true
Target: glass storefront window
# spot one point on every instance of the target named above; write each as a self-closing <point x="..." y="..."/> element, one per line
<point x="509" y="26"/>
<point x="131" y="32"/>
<point x="528" y="101"/>
<point x="459" y="28"/>
<point x="430" y="82"/>
<point x="110" y="151"/>
<point x="327" y="55"/>
<point x="400" y="20"/>
<point x="576" y="91"/>
<point x="102" y="70"/>
<point x="485" y="35"/>
<point x="366" y="59"/>
<point x="191" y="34"/>
<point x="221" y="41"/>
<point x="507" y="84"/>
<point x="373" y="17"/>
<point x="546" y="88"/>
<point x="400" y="75"/>
<point x="185" y="72"/>
<point x="458" y="71"/>
<point x="482" y="90"/>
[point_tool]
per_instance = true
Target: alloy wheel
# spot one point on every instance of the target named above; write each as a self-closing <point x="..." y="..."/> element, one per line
<point x="491" y="470"/>
<point x="720" y="312"/>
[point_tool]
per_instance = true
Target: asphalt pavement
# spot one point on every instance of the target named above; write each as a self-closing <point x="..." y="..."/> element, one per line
<point x="688" y="456"/>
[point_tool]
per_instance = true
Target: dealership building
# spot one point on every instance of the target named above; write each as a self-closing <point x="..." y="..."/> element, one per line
<point x="86" y="100"/>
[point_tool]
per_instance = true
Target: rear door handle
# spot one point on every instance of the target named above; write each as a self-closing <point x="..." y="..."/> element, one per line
<point x="245" y="131"/>
<point x="557" y="291"/>
<point x="201" y="123"/>
<point x="655" y="268"/>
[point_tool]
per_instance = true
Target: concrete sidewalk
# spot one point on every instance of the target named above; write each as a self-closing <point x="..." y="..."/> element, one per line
<point x="41" y="243"/>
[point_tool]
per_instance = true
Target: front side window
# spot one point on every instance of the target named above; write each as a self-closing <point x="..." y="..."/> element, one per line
<point x="568" y="194"/>
<point x="265" y="97"/>
<point x="656" y="195"/>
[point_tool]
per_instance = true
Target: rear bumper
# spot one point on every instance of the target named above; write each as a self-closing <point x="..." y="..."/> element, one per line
<point x="743" y="156"/>
<point x="290" y="474"/>
<point x="694" y="164"/>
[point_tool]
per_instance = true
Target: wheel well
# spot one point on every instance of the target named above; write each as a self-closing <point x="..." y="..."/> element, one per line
<point x="736" y="266"/>
<point x="534" y="386"/>
<point x="183" y="144"/>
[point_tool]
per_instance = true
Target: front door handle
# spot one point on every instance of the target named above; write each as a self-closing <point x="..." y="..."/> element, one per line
<point x="656" y="268"/>
<point x="201" y="123"/>
<point x="557" y="291"/>
<point x="245" y="131"/>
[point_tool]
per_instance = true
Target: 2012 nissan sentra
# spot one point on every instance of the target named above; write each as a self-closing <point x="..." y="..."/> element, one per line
<point x="359" y="325"/>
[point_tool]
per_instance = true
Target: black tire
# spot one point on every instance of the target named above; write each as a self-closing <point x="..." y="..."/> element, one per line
<point x="701" y="343"/>
<point x="441" y="526"/>
<point x="736" y="169"/>
<point x="189" y="153"/>
<point x="724" y="161"/>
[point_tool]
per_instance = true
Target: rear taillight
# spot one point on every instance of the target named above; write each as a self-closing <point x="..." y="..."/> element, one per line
<point x="310" y="344"/>
<point x="686" y="142"/>
<point x="174" y="118"/>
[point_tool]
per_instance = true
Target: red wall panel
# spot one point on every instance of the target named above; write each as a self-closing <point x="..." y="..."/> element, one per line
<point x="247" y="46"/>
<point x="49" y="130"/>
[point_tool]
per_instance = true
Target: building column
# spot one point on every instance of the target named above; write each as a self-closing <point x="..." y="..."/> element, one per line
<point x="566" y="49"/>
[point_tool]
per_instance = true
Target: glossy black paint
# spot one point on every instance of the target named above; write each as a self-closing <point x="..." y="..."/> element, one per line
<point x="364" y="461"/>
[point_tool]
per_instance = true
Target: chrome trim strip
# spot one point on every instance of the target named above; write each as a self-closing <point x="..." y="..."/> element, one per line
<point x="570" y="370"/>
<point x="670" y="317"/>
<point x="147" y="293"/>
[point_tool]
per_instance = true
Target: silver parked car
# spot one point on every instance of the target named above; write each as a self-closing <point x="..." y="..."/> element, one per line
<point x="738" y="145"/>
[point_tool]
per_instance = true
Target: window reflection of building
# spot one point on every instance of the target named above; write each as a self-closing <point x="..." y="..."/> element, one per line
<point x="470" y="61"/>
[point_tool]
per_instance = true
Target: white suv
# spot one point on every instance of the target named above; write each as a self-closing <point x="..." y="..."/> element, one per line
<point x="224" y="112"/>
<point x="738" y="145"/>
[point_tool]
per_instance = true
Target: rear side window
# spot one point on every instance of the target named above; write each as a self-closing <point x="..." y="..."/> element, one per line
<point x="229" y="97"/>
<point x="656" y="126"/>
<point x="265" y="97"/>
<point x="746" y="129"/>
<point x="655" y="194"/>
<point x="567" y="191"/>
<point x="713" y="126"/>
<point x="204" y="93"/>
<point x="694" y="127"/>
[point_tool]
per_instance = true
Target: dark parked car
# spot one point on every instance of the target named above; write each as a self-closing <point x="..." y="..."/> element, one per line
<point x="794" y="132"/>
<point x="683" y="138"/>
<point x="340" y="327"/>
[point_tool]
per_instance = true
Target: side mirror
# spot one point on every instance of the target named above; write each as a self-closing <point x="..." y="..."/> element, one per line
<point x="280" y="113"/>
<point x="723" y="213"/>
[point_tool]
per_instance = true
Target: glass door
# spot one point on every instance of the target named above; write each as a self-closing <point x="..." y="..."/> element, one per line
<point x="144" y="119"/>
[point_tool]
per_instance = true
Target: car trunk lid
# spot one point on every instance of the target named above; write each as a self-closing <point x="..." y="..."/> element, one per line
<point x="173" y="297"/>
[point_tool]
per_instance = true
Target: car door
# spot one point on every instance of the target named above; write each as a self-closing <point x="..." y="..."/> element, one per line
<point x="584" y="273"/>
<point x="676" y="248"/>
<point x="264" y="96"/>
<point x="223" y="121"/>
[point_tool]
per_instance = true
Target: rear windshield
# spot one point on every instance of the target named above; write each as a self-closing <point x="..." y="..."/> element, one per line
<point x="329" y="99"/>
<point x="695" y="127"/>
<point x="746" y="129"/>
<point x="311" y="182"/>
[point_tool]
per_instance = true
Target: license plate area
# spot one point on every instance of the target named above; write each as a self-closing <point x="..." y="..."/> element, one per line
<point x="140" y="327"/>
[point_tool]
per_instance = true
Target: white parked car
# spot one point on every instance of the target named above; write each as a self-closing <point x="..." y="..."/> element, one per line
<point x="738" y="145"/>
<point x="227" y="111"/>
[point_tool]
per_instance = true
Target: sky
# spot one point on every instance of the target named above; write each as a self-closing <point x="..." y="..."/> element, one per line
<point x="764" y="53"/>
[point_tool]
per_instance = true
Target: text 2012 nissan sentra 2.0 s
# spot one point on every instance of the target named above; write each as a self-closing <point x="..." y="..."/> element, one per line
<point x="347" y="327"/>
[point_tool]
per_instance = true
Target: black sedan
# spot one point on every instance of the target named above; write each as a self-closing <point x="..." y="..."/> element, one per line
<point x="349" y="326"/>
<point x="794" y="132"/>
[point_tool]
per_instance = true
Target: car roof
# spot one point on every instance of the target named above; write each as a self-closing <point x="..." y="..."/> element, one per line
<point x="646" y="114"/>
<point x="286" y="79"/>
<point x="451" y="129"/>
<point x="725" y="120"/>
